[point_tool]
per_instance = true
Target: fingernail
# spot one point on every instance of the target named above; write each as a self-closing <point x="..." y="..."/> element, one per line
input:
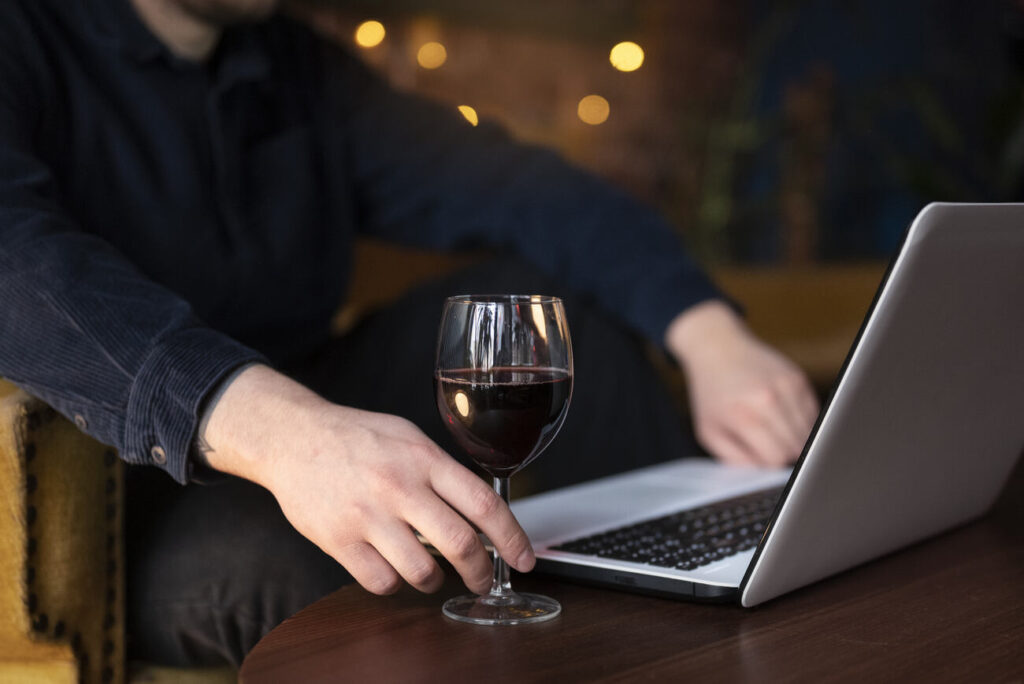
<point x="526" y="561"/>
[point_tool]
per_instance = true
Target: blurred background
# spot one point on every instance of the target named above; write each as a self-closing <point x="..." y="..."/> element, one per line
<point x="790" y="142"/>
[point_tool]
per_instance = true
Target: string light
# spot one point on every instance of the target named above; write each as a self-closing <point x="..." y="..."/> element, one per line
<point x="626" y="56"/>
<point x="431" y="55"/>
<point x="470" y="114"/>
<point x="369" y="34"/>
<point x="593" y="109"/>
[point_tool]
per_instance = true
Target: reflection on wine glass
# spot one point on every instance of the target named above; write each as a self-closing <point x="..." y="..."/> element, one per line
<point x="503" y="380"/>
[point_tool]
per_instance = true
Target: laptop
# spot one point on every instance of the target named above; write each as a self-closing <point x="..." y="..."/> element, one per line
<point x="919" y="434"/>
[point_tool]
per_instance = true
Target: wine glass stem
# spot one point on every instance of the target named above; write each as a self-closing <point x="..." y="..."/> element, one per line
<point x="501" y="586"/>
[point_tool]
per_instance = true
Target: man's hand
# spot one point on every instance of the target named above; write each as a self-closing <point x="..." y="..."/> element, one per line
<point x="357" y="483"/>
<point x="750" y="404"/>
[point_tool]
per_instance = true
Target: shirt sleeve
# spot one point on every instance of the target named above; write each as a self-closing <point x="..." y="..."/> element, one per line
<point x="80" y="326"/>
<point x="424" y="176"/>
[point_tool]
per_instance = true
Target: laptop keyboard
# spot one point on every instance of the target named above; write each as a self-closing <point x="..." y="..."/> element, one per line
<point x="688" y="539"/>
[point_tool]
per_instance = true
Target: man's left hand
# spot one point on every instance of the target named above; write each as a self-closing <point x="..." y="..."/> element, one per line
<point x="750" y="404"/>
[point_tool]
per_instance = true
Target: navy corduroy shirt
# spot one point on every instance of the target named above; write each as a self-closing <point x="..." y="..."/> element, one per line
<point x="163" y="222"/>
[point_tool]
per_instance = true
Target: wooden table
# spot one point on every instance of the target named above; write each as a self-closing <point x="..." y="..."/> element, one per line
<point x="948" y="609"/>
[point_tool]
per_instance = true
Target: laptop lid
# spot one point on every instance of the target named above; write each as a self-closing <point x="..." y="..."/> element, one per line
<point x="927" y="419"/>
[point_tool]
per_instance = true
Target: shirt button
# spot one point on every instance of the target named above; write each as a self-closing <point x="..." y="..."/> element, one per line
<point x="158" y="455"/>
<point x="80" y="421"/>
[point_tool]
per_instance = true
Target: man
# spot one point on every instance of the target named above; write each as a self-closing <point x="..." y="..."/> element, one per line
<point x="180" y="183"/>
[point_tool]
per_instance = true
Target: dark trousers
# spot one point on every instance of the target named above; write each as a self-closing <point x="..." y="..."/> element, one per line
<point x="212" y="568"/>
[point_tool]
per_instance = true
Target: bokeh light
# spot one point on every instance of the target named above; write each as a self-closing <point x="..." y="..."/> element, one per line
<point x="369" y="34"/>
<point x="626" y="56"/>
<point x="470" y="114"/>
<point x="593" y="109"/>
<point x="431" y="55"/>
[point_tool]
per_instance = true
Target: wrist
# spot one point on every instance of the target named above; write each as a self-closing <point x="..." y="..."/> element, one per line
<point x="260" y="413"/>
<point x="200" y="446"/>
<point x="704" y="329"/>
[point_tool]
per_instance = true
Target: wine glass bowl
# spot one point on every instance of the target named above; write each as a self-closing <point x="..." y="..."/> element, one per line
<point x="503" y="382"/>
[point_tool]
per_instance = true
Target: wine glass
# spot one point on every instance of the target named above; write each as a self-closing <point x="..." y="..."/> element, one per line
<point x="503" y="381"/>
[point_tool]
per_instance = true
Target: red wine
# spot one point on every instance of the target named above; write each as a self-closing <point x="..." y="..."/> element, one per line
<point x="503" y="417"/>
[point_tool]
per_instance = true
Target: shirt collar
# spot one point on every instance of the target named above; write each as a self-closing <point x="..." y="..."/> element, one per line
<point x="118" y="24"/>
<point x="240" y="56"/>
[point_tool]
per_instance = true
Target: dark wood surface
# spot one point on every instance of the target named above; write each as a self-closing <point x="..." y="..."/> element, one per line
<point x="948" y="609"/>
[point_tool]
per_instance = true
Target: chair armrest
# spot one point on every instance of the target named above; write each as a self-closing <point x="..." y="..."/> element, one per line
<point x="61" y="548"/>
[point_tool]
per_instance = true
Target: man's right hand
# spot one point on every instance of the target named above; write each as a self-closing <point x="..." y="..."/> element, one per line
<point x="357" y="483"/>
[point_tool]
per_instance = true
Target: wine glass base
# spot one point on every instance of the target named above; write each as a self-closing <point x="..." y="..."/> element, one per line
<point x="508" y="609"/>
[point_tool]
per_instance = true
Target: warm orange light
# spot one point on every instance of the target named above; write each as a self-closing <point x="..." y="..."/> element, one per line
<point x="369" y="34"/>
<point x="593" y="109"/>
<point x="626" y="56"/>
<point x="431" y="55"/>
<point x="470" y="114"/>
<point x="537" y="309"/>
<point x="462" y="404"/>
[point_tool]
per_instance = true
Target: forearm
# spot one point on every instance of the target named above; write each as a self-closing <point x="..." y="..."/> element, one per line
<point x="424" y="176"/>
<point x="118" y="354"/>
<point x="83" y="327"/>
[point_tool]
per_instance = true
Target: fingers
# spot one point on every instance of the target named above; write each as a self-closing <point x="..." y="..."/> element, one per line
<point x="360" y="501"/>
<point x="469" y="495"/>
<point x="799" y="405"/>
<point x="767" y="428"/>
<point x="456" y="540"/>
<point x="766" y="437"/>
<point x="390" y="554"/>
<point x="809" y="406"/>
<point x="368" y="568"/>
<point x="398" y="546"/>
<point x="725" y="447"/>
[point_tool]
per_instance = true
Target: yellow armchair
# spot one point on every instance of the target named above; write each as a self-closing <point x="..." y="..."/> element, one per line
<point x="61" y="549"/>
<point x="62" y="578"/>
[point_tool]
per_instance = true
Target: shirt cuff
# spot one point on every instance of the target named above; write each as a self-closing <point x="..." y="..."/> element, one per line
<point x="168" y="393"/>
<point x="653" y="313"/>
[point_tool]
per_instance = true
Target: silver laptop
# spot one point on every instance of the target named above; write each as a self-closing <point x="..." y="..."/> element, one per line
<point x="921" y="431"/>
